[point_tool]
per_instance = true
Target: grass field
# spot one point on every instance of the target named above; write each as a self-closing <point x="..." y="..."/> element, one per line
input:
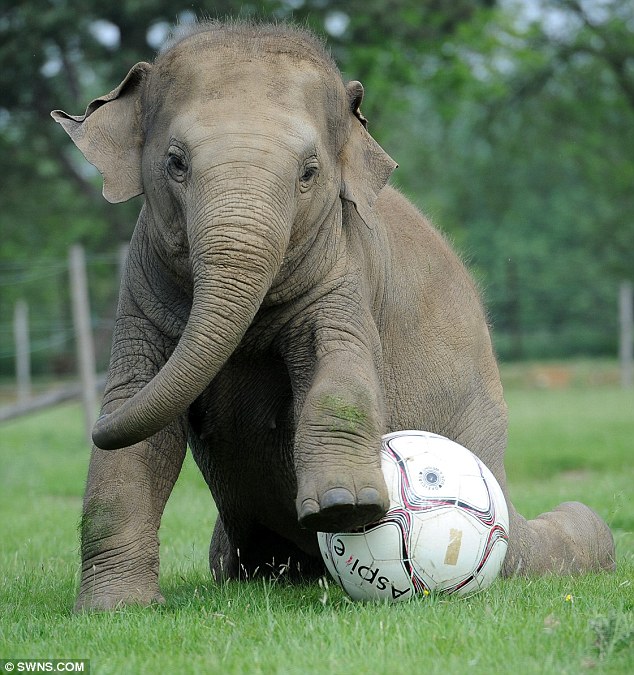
<point x="574" y="443"/>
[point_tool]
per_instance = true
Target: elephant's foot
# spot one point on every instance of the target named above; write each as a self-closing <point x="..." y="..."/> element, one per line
<point x="117" y="570"/>
<point x="332" y="502"/>
<point x="570" y="539"/>
<point x="113" y="579"/>
<point x="585" y="543"/>
<point x="114" y="597"/>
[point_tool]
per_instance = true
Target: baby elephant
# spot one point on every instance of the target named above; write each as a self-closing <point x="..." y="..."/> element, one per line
<point x="281" y="309"/>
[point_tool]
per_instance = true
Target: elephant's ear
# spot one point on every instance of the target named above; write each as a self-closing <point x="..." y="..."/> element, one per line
<point x="110" y="136"/>
<point x="365" y="166"/>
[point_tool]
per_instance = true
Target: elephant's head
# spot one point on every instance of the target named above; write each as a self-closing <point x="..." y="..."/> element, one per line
<point x="244" y="141"/>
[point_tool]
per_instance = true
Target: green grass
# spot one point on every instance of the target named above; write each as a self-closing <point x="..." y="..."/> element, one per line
<point x="576" y="443"/>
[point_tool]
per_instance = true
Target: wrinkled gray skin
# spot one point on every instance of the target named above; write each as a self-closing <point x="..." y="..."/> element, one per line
<point x="281" y="309"/>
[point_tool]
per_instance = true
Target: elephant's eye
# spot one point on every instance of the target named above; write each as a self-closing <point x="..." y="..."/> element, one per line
<point x="309" y="172"/>
<point x="177" y="165"/>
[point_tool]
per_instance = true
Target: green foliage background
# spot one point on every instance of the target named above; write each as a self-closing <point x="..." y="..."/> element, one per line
<point x="512" y="122"/>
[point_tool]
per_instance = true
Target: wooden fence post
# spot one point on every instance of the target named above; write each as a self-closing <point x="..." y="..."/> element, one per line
<point x="626" y="320"/>
<point x="22" y="350"/>
<point x="83" y="336"/>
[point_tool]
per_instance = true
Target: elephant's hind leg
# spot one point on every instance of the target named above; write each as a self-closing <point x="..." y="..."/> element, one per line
<point x="570" y="539"/>
<point x="262" y="553"/>
<point x="224" y="557"/>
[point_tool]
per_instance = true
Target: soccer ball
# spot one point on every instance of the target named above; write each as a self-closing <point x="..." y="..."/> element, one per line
<point x="446" y="528"/>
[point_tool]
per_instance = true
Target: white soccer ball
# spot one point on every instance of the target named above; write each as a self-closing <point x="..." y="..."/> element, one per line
<point x="446" y="529"/>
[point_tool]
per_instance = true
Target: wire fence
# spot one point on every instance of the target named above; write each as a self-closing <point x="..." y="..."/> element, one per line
<point x="44" y="287"/>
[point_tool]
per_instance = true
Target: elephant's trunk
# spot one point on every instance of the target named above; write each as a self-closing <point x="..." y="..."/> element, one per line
<point x="235" y="253"/>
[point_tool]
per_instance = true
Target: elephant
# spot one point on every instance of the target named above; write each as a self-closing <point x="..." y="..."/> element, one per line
<point x="282" y="307"/>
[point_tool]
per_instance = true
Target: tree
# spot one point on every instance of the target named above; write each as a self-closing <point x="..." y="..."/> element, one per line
<point x="532" y="168"/>
<point x="62" y="54"/>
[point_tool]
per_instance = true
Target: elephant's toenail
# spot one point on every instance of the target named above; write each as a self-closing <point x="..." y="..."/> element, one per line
<point x="368" y="495"/>
<point x="308" y="507"/>
<point x="336" y="497"/>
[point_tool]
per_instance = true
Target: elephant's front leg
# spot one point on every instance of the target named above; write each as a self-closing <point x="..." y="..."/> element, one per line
<point x="340" y="421"/>
<point x="125" y="497"/>
<point x="127" y="489"/>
